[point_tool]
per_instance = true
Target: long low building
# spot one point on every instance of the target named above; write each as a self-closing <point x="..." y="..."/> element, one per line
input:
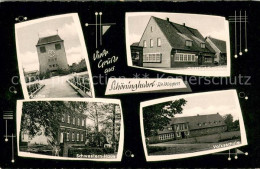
<point x="190" y="126"/>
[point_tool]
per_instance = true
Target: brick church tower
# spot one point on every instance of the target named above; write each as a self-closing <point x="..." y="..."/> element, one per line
<point x="51" y="54"/>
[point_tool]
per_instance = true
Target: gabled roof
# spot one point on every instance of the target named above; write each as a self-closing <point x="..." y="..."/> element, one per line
<point x="49" y="39"/>
<point x="177" y="34"/>
<point x="220" y="44"/>
<point x="200" y="121"/>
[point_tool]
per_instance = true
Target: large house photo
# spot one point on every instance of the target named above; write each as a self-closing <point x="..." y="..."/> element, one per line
<point x="167" y="45"/>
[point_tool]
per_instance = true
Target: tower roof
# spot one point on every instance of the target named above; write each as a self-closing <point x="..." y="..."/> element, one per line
<point x="49" y="39"/>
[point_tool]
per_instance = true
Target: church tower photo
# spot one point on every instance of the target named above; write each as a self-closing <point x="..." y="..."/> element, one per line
<point x="51" y="54"/>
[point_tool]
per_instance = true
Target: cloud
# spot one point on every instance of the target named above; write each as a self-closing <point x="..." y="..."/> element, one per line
<point x="67" y="31"/>
<point x="74" y="55"/>
<point x="30" y="61"/>
<point x="134" y="38"/>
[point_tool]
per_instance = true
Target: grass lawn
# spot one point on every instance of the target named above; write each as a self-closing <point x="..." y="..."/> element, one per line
<point x="195" y="144"/>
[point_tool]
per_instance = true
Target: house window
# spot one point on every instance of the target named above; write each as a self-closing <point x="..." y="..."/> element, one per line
<point x="151" y="29"/>
<point x="61" y="137"/>
<point x="82" y="122"/>
<point x="166" y="136"/>
<point x="68" y="120"/>
<point x="82" y="137"/>
<point x="68" y="136"/>
<point x="177" y="127"/>
<point x="50" y="65"/>
<point x="151" y="43"/>
<point x="208" y="59"/>
<point x="72" y="137"/>
<point x="145" y="44"/>
<point x="152" y="57"/>
<point x="180" y="57"/>
<point x="73" y="120"/>
<point x="57" y="46"/>
<point x="185" y="58"/>
<point x="78" y="122"/>
<point x="55" y="59"/>
<point x="63" y="117"/>
<point x="159" y="43"/>
<point x="188" y="43"/>
<point x="178" y="134"/>
<point x="77" y="136"/>
<point x="202" y="45"/>
<point x="199" y="124"/>
<point x="42" y="49"/>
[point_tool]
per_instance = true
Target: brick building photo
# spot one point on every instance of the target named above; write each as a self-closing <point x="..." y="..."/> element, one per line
<point x="194" y="123"/>
<point x="169" y="41"/>
<point x="70" y="128"/>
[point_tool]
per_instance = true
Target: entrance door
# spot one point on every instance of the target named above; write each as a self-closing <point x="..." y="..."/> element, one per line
<point x="200" y="59"/>
<point x="182" y="134"/>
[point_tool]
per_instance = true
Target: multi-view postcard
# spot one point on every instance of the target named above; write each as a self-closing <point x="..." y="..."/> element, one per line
<point x="191" y="125"/>
<point x="52" y="57"/>
<point x="70" y="129"/>
<point x="179" y="43"/>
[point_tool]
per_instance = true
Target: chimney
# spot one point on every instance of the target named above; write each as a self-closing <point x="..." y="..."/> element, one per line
<point x="167" y="19"/>
<point x="197" y="114"/>
<point x="183" y="24"/>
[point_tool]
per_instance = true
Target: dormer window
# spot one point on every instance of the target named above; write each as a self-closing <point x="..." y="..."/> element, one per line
<point x="202" y="45"/>
<point x="188" y="43"/>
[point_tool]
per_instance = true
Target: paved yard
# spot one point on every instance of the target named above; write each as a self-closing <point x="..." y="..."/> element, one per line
<point x="56" y="87"/>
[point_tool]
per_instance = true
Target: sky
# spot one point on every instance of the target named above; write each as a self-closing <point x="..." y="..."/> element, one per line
<point x="28" y="37"/>
<point x="221" y="102"/>
<point x="206" y="24"/>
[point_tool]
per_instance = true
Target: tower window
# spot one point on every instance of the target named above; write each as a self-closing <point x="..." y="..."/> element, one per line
<point x="57" y="46"/>
<point x="42" y="49"/>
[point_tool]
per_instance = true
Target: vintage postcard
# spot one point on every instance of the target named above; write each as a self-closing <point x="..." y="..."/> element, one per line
<point x="179" y="43"/>
<point x="70" y="129"/>
<point x="52" y="58"/>
<point x="191" y="125"/>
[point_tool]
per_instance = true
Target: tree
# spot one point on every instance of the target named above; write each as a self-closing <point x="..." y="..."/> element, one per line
<point x="231" y="124"/>
<point x="157" y="116"/>
<point x="96" y="114"/>
<point x="228" y="119"/>
<point x="44" y="117"/>
<point x="112" y="123"/>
